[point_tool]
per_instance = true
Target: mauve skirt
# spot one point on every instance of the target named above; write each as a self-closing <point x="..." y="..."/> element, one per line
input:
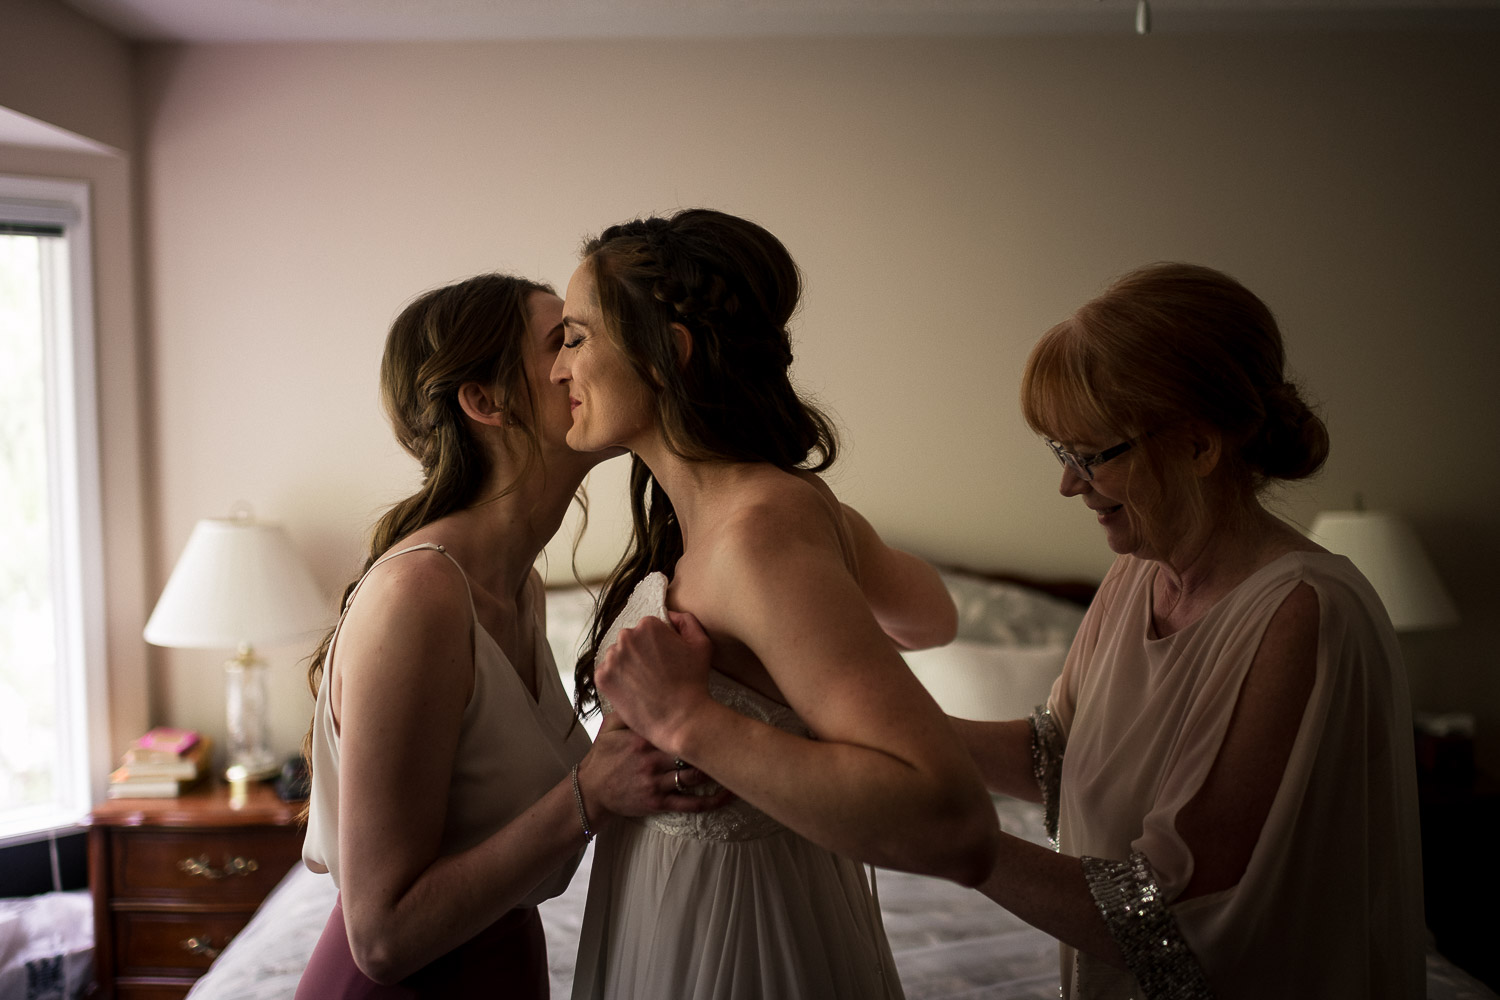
<point x="506" y="960"/>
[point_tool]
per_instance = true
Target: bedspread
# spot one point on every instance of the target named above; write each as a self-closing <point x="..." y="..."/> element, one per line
<point x="949" y="942"/>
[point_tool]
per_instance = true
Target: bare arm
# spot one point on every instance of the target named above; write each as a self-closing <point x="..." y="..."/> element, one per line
<point x="905" y="593"/>
<point x="406" y="667"/>
<point x="1002" y="751"/>
<point x="885" y="781"/>
<point x="1223" y="822"/>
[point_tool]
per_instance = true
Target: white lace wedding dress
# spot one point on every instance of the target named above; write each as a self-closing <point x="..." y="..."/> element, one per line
<point x="729" y="904"/>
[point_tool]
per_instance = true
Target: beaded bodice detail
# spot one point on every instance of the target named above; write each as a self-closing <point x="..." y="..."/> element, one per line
<point x="738" y="820"/>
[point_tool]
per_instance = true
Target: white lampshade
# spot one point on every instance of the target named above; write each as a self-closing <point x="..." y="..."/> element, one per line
<point x="1384" y="548"/>
<point x="238" y="583"/>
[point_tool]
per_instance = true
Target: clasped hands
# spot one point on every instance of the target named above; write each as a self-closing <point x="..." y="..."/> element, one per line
<point x="655" y="677"/>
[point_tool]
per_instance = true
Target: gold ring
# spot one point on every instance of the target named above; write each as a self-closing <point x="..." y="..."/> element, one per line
<point x="677" y="780"/>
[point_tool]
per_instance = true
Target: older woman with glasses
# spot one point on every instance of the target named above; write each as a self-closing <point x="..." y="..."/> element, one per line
<point x="1226" y="759"/>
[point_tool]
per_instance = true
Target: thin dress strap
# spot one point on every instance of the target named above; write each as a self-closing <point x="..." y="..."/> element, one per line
<point x="349" y="602"/>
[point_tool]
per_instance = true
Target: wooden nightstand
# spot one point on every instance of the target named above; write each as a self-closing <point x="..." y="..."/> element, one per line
<point x="174" y="879"/>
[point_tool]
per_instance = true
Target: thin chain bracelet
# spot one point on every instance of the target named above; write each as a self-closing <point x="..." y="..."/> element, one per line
<point x="583" y="816"/>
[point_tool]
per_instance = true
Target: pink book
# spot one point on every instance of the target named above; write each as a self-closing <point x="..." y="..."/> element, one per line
<point x="166" y="739"/>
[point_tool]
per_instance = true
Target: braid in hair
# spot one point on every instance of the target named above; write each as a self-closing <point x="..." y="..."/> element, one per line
<point x="734" y="287"/>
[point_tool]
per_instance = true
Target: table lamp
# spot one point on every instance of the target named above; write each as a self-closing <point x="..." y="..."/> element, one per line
<point x="239" y="584"/>
<point x="1385" y="549"/>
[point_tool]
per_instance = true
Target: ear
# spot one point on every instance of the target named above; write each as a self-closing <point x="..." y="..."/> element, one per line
<point x="1207" y="448"/>
<point x="482" y="405"/>
<point x="684" y="338"/>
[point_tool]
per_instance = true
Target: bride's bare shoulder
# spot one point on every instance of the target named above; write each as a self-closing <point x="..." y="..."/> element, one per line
<point x="778" y="542"/>
<point x="777" y="508"/>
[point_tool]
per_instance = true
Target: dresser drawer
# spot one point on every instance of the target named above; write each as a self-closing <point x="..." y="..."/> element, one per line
<point x="217" y="866"/>
<point x="167" y="944"/>
<point x="175" y="879"/>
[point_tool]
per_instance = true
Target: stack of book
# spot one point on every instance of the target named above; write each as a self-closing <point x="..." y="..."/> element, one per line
<point x="161" y="764"/>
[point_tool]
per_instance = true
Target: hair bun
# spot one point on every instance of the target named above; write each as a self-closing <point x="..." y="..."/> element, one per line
<point x="1292" y="442"/>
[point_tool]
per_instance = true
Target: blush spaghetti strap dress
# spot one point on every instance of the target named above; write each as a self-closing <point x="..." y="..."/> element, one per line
<point x="512" y="749"/>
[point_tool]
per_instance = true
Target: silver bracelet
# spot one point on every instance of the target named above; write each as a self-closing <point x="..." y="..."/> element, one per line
<point x="1047" y="745"/>
<point x="583" y="816"/>
<point x="1130" y="900"/>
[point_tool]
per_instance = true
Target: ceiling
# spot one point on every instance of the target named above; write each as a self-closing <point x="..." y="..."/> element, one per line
<point x="414" y="20"/>
<point x="479" y="20"/>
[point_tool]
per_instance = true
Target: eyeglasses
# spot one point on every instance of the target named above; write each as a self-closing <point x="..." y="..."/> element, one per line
<point x="1082" y="466"/>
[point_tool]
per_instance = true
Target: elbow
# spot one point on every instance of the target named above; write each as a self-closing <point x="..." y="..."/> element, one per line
<point x="375" y="955"/>
<point x="973" y="864"/>
<point x="943" y="621"/>
<point x="929" y="632"/>
<point x="946" y="630"/>
<point x="971" y="841"/>
<point x="940" y="627"/>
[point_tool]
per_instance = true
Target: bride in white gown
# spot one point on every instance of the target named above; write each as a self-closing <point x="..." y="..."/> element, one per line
<point x="785" y="612"/>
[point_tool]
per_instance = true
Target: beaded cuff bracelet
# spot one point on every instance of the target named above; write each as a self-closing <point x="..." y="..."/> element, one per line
<point x="1046" y="764"/>
<point x="1131" y="902"/>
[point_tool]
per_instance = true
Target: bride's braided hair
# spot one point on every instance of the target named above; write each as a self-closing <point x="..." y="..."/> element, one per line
<point x="734" y="287"/>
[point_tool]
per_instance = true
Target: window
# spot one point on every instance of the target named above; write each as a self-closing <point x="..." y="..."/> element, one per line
<point x="54" y="748"/>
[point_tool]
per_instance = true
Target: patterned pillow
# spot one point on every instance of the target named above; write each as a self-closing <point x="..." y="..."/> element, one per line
<point x="1009" y="614"/>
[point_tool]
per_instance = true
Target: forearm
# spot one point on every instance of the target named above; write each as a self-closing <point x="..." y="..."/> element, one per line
<point x="1049" y="891"/>
<point x="1113" y="910"/>
<point x="459" y="895"/>
<point x="860" y="802"/>
<point x="1002" y="752"/>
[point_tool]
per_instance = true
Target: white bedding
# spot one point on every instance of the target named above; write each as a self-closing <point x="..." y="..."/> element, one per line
<point x="47" y="946"/>
<point x="948" y="942"/>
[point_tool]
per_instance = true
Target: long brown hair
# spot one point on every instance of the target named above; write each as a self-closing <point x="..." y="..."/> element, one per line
<point x="735" y="287"/>
<point x="1165" y="345"/>
<point x="470" y="331"/>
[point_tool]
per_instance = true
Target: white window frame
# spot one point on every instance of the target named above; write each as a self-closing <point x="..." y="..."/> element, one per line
<point x="76" y="512"/>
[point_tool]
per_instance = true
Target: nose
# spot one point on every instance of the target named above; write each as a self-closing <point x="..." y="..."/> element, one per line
<point x="560" y="372"/>
<point x="1072" y="484"/>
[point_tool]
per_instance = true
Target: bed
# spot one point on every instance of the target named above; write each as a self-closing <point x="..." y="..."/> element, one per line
<point x="948" y="942"/>
<point x="47" y="946"/>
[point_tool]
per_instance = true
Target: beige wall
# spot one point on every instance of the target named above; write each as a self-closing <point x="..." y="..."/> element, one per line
<point x="948" y="201"/>
<point x="61" y="68"/>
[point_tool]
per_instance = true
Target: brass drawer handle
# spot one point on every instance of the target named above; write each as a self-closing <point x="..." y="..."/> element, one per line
<point x="201" y="946"/>
<point x="200" y="866"/>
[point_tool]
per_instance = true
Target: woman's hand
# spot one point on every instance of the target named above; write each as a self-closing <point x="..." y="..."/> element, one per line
<point x="656" y="676"/>
<point x="623" y="775"/>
